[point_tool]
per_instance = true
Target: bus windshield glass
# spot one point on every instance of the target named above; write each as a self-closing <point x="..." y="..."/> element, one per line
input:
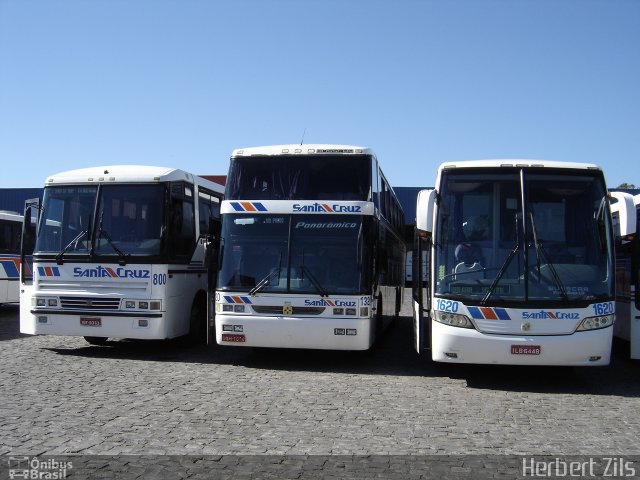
<point x="554" y="248"/>
<point x="323" y="256"/>
<point x="290" y="177"/>
<point x="124" y="220"/>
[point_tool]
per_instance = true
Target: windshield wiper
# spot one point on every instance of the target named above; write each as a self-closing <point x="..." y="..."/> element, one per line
<point x="265" y="281"/>
<point x="505" y="264"/>
<point x="541" y="252"/>
<point x="122" y="257"/>
<point x="72" y="243"/>
<point x="314" y="280"/>
<point x="501" y="272"/>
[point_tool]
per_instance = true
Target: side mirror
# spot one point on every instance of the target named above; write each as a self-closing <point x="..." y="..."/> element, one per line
<point x="623" y="211"/>
<point x="425" y="207"/>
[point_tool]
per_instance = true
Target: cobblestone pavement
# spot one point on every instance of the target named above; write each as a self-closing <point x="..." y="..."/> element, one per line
<point x="60" y="396"/>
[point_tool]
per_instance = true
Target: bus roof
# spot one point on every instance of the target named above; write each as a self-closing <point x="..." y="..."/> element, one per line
<point x="306" y="149"/>
<point x="517" y="163"/>
<point x="128" y="174"/>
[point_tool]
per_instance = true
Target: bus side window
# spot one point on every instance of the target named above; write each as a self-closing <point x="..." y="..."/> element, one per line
<point x="182" y="239"/>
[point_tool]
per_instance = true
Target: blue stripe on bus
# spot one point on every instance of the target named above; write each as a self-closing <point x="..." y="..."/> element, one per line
<point x="245" y="299"/>
<point x="475" y="312"/>
<point x="502" y="314"/>
<point x="10" y="268"/>
<point x="260" y="207"/>
<point x="237" y="207"/>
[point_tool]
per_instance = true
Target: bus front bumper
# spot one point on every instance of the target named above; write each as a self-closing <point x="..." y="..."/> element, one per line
<point x="461" y="345"/>
<point x="287" y="332"/>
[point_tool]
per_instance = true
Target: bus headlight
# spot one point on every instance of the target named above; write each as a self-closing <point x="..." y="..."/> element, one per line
<point x="452" y="319"/>
<point x="594" y="323"/>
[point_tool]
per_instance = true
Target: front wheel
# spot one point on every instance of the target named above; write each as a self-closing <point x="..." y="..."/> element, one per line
<point x="96" y="340"/>
<point x="198" y="324"/>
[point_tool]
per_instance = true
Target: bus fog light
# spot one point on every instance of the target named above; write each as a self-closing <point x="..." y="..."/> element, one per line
<point x="452" y="319"/>
<point x="594" y="359"/>
<point x="352" y="331"/>
<point x="350" y="311"/>
<point x="143" y="323"/>
<point x="43" y="319"/>
<point x="450" y="355"/>
<point x="595" y="323"/>
<point x="338" y="311"/>
<point x="227" y="328"/>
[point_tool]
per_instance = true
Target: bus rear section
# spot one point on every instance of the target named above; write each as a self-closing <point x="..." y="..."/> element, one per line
<point x="10" y="235"/>
<point x="311" y="255"/>
<point x="120" y="253"/>
<point x="521" y="265"/>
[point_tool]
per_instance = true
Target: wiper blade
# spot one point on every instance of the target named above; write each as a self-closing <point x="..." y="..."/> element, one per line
<point x="541" y="252"/>
<point x="500" y="274"/>
<point x="314" y="281"/>
<point x="122" y="257"/>
<point x="265" y="281"/>
<point x="73" y="242"/>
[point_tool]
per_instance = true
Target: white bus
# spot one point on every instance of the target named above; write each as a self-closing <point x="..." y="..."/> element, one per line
<point x="311" y="249"/>
<point x="521" y="264"/>
<point x="120" y="252"/>
<point x="10" y="234"/>
<point x="627" y="326"/>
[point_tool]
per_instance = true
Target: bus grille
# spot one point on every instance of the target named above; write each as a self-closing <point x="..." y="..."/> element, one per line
<point x="90" y="302"/>
<point x="277" y="310"/>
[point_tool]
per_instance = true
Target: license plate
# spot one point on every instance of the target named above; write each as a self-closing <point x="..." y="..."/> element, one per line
<point x="525" y="349"/>
<point x="90" y="322"/>
<point x="232" y="337"/>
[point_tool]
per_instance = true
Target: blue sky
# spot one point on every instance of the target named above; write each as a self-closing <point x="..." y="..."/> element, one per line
<point x="183" y="82"/>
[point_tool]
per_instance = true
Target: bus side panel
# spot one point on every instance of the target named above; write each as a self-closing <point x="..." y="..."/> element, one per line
<point x="634" y="317"/>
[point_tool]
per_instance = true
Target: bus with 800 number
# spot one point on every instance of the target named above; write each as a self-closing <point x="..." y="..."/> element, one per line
<point x="10" y="236"/>
<point x="120" y="251"/>
<point x="311" y="251"/>
<point x="521" y="264"/>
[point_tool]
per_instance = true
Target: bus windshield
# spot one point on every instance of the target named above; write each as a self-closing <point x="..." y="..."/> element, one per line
<point x="554" y="248"/>
<point x="124" y="220"/>
<point x="293" y="253"/>
<point x="290" y="177"/>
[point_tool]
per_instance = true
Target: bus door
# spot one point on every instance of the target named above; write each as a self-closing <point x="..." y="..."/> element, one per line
<point x="420" y="293"/>
<point x="27" y="245"/>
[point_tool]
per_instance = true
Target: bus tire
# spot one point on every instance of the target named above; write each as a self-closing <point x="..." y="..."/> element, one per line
<point x="96" y="340"/>
<point x="197" y="323"/>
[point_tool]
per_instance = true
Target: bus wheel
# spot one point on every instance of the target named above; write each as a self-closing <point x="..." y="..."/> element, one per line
<point x="96" y="340"/>
<point x="197" y="324"/>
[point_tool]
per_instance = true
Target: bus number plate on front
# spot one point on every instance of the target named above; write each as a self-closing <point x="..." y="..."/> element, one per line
<point x="232" y="337"/>
<point x="90" y="322"/>
<point x="525" y="349"/>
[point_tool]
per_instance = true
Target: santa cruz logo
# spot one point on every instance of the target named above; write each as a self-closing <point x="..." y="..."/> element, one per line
<point x="553" y="315"/>
<point x="329" y="303"/>
<point x="120" y="272"/>
<point x="326" y="208"/>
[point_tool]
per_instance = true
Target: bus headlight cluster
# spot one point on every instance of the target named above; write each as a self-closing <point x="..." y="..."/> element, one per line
<point x="154" y="305"/>
<point x="453" y="319"/>
<point x="44" y="301"/>
<point x="594" y="323"/>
